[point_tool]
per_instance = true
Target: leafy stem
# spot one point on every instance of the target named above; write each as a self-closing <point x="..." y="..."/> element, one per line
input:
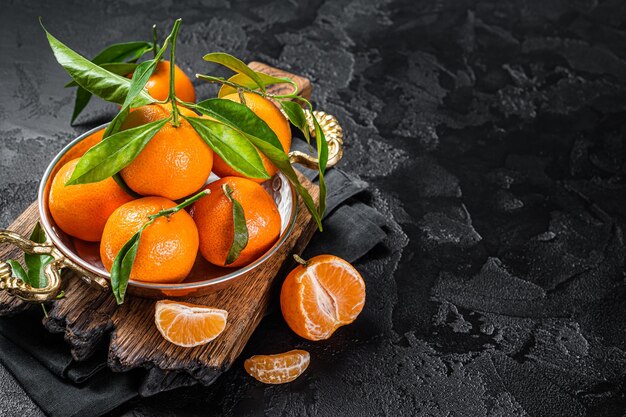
<point x="172" y="95"/>
<point x="250" y="81"/>
<point x="184" y="204"/>
<point x="221" y="80"/>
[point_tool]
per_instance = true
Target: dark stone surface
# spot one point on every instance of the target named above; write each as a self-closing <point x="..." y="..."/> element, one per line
<point x="492" y="132"/>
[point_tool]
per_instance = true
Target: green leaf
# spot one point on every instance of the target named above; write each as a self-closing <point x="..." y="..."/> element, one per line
<point x="322" y="158"/>
<point x="142" y="75"/>
<point x="122" y="266"/>
<point x="296" y="116"/>
<point x="17" y="270"/>
<point x="115" y="125"/>
<point x="82" y="99"/>
<point x="83" y="96"/>
<point x="93" y="78"/>
<point x="240" y="238"/>
<point x="240" y="117"/>
<point x="322" y="146"/>
<point x="138" y="82"/>
<point x="236" y="65"/>
<point x="280" y="159"/>
<point x="37" y="263"/>
<point x="119" y="52"/>
<point x="113" y="154"/>
<point x="119" y="68"/>
<point x="245" y="81"/>
<point x="233" y="147"/>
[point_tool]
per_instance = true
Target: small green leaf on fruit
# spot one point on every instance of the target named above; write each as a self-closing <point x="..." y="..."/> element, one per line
<point x="122" y="266"/>
<point x="240" y="238"/>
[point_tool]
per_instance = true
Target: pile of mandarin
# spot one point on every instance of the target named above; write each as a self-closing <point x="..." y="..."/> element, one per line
<point x="175" y="164"/>
<point x="318" y="296"/>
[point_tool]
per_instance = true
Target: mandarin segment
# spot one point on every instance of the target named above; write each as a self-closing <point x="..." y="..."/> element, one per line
<point x="188" y="325"/>
<point x="214" y="217"/>
<point x="167" y="248"/>
<point x="321" y="296"/>
<point x="278" y="369"/>
<point x="269" y="113"/>
<point x="175" y="163"/>
<point x="82" y="210"/>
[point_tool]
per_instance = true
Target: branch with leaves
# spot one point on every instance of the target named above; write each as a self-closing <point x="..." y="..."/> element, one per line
<point x="235" y="132"/>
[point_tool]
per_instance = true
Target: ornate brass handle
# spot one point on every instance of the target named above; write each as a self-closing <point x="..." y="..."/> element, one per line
<point x="334" y="136"/>
<point x="52" y="271"/>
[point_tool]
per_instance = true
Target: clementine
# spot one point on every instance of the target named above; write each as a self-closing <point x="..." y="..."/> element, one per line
<point x="82" y="210"/>
<point x="175" y="163"/>
<point x="269" y="113"/>
<point x="167" y="248"/>
<point x="214" y="217"/>
<point x="158" y="84"/>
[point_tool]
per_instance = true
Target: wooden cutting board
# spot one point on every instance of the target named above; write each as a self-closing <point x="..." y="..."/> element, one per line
<point x="88" y="316"/>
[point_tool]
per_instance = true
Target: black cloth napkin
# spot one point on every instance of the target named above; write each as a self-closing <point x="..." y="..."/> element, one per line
<point x="61" y="387"/>
<point x="42" y="364"/>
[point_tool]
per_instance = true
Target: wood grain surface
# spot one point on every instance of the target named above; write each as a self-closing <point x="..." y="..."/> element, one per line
<point x="88" y="316"/>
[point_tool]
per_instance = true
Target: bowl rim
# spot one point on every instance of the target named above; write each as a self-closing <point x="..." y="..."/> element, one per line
<point x="45" y="218"/>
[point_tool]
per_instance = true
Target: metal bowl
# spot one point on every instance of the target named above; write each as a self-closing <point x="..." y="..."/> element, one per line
<point x="83" y="258"/>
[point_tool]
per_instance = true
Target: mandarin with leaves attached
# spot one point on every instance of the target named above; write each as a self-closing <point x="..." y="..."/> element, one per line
<point x="167" y="248"/>
<point x="82" y="210"/>
<point x="214" y="217"/>
<point x="175" y="163"/>
<point x="270" y="114"/>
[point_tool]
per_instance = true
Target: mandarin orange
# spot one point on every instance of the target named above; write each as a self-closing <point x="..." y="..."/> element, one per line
<point x="188" y="325"/>
<point x="269" y="113"/>
<point x="322" y="295"/>
<point x="175" y="163"/>
<point x="279" y="368"/>
<point x="158" y="84"/>
<point x="82" y="210"/>
<point x="167" y="248"/>
<point x="214" y="217"/>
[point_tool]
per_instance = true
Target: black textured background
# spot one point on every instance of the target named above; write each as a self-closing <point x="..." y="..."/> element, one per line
<point x="492" y="132"/>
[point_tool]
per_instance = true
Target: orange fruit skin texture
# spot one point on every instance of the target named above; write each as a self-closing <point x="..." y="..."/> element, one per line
<point x="158" y="84"/>
<point x="279" y="368"/>
<point x="167" y="248"/>
<point x="319" y="298"/>
<point x="175" y="163"/>
<point x="214" y="217"/>
<point x="269" y="113"/>
<point x="82" y="210"/>
<point x="188" y="325"/>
